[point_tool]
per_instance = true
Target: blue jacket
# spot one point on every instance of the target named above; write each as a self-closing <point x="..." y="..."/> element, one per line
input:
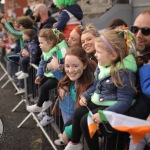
<point x="64" y="17"/>
<point x="43" y="62"/>
<point x="68" y="104"/>
<point x="32" y="46"/>
<point x="144" y="74"/>
<point x="116" y="99"/>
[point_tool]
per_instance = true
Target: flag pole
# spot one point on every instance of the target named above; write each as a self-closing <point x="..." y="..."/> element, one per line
<point x="89" y="110"/>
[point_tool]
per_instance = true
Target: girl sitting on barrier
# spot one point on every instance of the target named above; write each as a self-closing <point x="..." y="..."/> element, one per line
<point x="30" y="52"/>
<point x="51" y="41"/>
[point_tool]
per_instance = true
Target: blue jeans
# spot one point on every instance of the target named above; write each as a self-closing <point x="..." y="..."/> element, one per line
<point x="66" y="116"/>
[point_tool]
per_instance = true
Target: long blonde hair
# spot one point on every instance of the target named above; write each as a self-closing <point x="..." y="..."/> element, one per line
<point x="118" y="43"/>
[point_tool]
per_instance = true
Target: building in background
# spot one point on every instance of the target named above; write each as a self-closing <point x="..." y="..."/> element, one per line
<point x="15" y="8"/>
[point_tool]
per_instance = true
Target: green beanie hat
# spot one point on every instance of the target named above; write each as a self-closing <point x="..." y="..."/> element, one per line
<point x="64" y="2"/>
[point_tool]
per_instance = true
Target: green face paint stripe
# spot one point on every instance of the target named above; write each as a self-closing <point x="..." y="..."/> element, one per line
<point x="79" y="71"/>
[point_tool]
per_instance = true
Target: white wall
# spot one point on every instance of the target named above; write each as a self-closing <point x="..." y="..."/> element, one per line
<point x="127" y="12"/>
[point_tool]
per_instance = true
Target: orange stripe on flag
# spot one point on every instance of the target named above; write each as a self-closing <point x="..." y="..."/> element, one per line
<point x="92" y="129"/>
<point x="137" y="132"/>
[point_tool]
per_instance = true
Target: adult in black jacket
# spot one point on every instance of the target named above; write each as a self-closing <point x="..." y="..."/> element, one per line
<point x="41" y="15"/>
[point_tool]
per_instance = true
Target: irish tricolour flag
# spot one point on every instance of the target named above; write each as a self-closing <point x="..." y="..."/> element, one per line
<point x="136" y="127"/>
<point x="92" y="126"/>
<point x="62" y="49"/>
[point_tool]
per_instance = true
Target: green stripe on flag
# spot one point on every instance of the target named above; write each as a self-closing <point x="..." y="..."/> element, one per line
<point x="90" y="115"/>
<point x="103" y="117"/>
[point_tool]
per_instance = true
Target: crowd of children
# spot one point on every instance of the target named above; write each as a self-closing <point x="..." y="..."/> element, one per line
<point x="89" y="70"/>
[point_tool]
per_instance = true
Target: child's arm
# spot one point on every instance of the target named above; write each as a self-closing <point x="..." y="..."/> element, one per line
<point x="125" y="94"/>
<point x="25" y="53"/>
<point x="144" y="74"/>
<point x="87" y="94"/>
<point x="40" y="71"/>
<point x="34" y="50"/>
<point x="62" y="20"/>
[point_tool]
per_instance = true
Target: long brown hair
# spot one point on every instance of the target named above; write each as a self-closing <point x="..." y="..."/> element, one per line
<point x="86" y="79"/>
<point x="49" y="35"/>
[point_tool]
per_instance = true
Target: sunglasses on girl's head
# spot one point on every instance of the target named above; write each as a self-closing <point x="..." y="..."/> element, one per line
<point x="145" y="31"/>
<point x="81" y="27"/>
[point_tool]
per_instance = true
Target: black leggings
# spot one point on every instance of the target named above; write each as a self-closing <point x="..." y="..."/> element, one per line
<point x="93" y="143"/>
<point x="78" y="114"/>
<point x="113" y="140"/>
<point x="24" y="64"/>
<point x="47" y="84"/>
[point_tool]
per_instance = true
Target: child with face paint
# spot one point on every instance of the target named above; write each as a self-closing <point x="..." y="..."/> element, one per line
<point x="113" y="88"/>
<point x="49" y="40"/>
<point x="79" y="69"/>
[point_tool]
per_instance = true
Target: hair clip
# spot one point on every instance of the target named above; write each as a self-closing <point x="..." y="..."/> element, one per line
<point x="56" y="32"/>
<point x="127" y="34"/>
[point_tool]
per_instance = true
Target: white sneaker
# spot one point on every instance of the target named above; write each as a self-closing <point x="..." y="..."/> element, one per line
<point x="18" y="73"/>
<point x="23" y="76"/>
<point x="71" y="146"/>
<point x="20" y="91"/>
<point x="34" y="108"/>
<point x="41" y="115"/>
<point x="46" y="105"/>
<point x="46" y="120"/>
<point x="59" y="142"/>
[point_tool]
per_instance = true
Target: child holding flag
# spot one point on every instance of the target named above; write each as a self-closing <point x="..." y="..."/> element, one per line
<point x="51" y="43"/>
<point x="114" y="86"/>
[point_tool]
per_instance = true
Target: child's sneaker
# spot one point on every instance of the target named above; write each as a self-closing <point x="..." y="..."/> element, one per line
<point x="71" y="146"/>
<point x="21" y="91"/>
<point x="46" y="105"/>
<point x="59" y="142"/>
<point x="41" y="115"/>
<point x="23" y="76"/>
<point x="18" y="73"/>
<point x="34" y="108"/>
<point x="46" y="120"/>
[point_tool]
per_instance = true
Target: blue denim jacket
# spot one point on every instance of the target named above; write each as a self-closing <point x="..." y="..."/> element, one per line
<point x="41" y="68"/>
<point x="117" y="99"/>
<point x="68" y="104"/>
<point x="107" y="91"/>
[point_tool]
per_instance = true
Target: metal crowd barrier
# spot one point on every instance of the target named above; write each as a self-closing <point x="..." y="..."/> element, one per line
<point x="9" y="78"/>
<point x="52" y="130"/>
